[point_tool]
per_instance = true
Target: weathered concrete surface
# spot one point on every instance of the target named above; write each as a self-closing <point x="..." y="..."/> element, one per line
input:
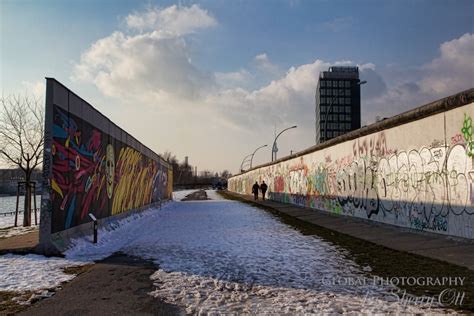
<point x="20" y="244"/>
<point x="415" y="170"/>
<point x="455" y="251"/>
<point x="118" y="285"/>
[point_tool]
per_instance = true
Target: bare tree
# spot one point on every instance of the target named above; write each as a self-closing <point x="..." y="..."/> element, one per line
<point x="22" y="139"/>
<point x="226" y="174"/>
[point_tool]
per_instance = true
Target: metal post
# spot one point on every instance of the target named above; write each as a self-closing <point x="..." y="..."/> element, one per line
<point x="243" y="161"/>
<point x="95" y="226"/>
<point x="274" y="148"/>
<point x="95" y="232"/>
<point x="34" y="202"/>
<point x="17" y="201"/>
<point x="251" y="159"/>
<point x="326" y="116"/>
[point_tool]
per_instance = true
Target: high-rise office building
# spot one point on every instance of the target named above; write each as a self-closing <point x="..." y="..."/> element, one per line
<point x="337" y="102"/>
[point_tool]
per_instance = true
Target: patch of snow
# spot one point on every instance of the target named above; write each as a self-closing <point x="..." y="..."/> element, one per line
<point x="29" y="298"/>
<point x="225" y="257"/>
<point x="214" y="195"/>
<point x="16" y="231"/>
<point x="116" y="236"/>
<point x="9" y="220"/>
<point x="201" y="295"/>
<point x="33" y="272"/>
<point x="179" y="195"/>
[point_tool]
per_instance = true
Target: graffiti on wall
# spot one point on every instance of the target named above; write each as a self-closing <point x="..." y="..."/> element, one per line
<point x="423" y="188"/>
<point x="92" y="172"/>
<point x="467" y="134"/>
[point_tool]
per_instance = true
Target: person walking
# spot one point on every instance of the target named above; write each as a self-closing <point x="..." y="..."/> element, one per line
<point x="263" y="188"/>
<point x="255" y="189"/>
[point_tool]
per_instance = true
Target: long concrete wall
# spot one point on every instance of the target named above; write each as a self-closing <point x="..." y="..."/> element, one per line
<point x="415" y="170"/>
<point x="92" y="166"/>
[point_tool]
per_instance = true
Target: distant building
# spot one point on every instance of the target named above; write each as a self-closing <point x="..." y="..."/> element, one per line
<point x="338" y="98"/>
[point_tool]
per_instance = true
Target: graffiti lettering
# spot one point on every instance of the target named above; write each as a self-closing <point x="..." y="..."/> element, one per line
<point x="466" y="131"/>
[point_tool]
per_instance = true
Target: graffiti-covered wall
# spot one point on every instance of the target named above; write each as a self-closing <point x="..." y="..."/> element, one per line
<point x="93" y="166"/>
<point x="419" y="174"/>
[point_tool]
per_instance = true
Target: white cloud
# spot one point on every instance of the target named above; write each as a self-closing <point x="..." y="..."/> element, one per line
<point x="264" y="64"/>
<point x="171" y="21"/>
<point x="284" y="101"/>
<point x="453" y="70"/>
<point x="233" y="78"/>
<point x="149" y="66"/>
<point x="199" y="109"/>
<point x="37" y="88"/>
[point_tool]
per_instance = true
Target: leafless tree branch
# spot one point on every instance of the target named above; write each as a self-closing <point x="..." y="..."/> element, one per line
<point x="22" y="137"/>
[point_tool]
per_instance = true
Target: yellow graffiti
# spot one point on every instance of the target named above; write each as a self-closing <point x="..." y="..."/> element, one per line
<point x="135" y="186"/>
<point x="56" y="188"/>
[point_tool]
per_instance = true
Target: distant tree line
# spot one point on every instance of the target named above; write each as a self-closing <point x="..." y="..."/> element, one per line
<point x="185" y="175"/>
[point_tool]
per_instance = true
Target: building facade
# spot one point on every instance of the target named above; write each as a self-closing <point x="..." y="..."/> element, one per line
<point x="337" y="102"/>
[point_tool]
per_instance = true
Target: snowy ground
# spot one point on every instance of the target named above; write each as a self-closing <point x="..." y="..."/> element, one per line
<point x="16" y="231"/>
<point x="33" y="272"/>
<point x="33" y="277"/>
<point x="220" y="257"/>
<point x="179" y="195"/>
<point x="214" y="195"/>
<point x="227" y="257"/>
<point x="8" y="230"/>
<point x="9" y="220"/>
<point x="8" y="204"/>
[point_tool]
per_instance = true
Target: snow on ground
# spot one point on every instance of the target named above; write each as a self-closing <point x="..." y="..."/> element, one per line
<point x="8" y="230"/>
<point x="214" y="195"/>
<point x="33" y="272"/>
<point x="9" y="220"/>
<point x="16" y="231"/>
<point x="221" y="257"/>
<point x="179" y="195"/>
<point x="8" y="204"/>
<point x="227" y="257"/>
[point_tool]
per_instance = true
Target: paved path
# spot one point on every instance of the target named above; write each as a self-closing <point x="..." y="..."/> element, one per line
<point x="20" y="244"/>
<point x="456" y="251"/>
<point x="115" y="286"/>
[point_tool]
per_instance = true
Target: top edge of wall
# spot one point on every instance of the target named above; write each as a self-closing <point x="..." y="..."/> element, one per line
<point x="50" y="100"/>
<point x="442" y="105"/>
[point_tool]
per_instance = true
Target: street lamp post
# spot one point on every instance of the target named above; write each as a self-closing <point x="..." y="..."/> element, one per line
<point x="330" y="107"/>
<point x="274" y="147"/>
<point x="251" y="159"/>
<point x="242" y="164"/>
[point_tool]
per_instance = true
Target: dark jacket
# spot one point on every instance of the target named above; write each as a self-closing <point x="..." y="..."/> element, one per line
<point x="263" y="187"/>
<point x="255" y="188"/>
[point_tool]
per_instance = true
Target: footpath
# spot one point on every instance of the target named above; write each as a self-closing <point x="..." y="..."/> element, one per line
<point x="20" y="244"/>
<point x="118" y="285"/>
<point x="452" y="250"/>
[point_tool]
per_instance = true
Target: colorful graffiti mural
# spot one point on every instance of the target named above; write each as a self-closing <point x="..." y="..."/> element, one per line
<point x="428" y="187"/>
<point x="93" y="172"/>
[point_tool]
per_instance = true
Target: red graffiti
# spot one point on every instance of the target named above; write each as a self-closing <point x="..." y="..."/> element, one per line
<point x="456" y="139"/>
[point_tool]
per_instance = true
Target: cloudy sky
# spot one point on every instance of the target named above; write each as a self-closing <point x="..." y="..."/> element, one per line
<point x="212" y="80"/>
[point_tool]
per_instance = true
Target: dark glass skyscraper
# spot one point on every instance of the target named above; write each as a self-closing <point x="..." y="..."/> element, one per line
<point x="337" y="102"/>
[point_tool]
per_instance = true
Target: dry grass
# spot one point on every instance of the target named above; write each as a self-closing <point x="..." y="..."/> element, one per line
<point x="8" y="306"/>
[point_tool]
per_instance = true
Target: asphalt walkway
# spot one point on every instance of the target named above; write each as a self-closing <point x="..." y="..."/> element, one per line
<point x="453" y="250"/>
<point x="118" y="285"/>
<point x="20" y="244"/>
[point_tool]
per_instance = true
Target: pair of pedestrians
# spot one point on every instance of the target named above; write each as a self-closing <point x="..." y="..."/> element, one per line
<point x="262" y="187"/>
